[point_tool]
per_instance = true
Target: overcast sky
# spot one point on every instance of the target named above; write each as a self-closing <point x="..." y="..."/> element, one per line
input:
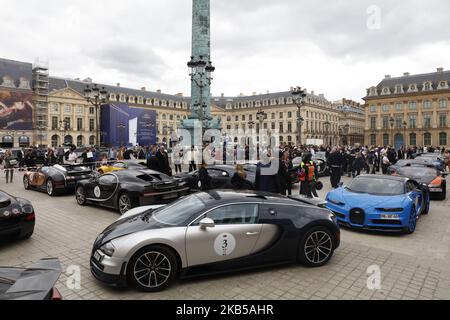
<point x="335" y="47"/>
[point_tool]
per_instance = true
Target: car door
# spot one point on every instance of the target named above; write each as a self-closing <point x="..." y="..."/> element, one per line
<point x="234" y="235"/>
<point x="219" y="178"/>
<point x="103" y="188"/>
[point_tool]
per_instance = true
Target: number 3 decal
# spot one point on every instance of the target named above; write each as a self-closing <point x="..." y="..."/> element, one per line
<point x="225" y="244"/>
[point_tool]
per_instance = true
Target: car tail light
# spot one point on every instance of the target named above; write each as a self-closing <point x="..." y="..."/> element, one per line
<point x="30" y="217"/>
<point x="436" y="182"/>
<point x="56" y="295"/>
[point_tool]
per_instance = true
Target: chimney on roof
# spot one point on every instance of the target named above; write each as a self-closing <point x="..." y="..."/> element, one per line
<point x="406" y="74"/>
<point x="254" y="93"/>
<point x="388" y="76"/>
<point x="180" y="94"/>
<point x="159" y="90"/>
<point x="267" y="91"/>
<point x="222" y="95"/>
<point x="312" y="92"/>
<point x="88" y="80"/>
<point x="118" y="84"/>
<point x="241" y="94"/>
<point x="440" y="70"/>
<point x="144" y="89"/>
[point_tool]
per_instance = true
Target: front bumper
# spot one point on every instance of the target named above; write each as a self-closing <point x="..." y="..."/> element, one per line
<point x="110" y="271"/>
<point x="16" y="228"/>
<point x="372" y="220"/>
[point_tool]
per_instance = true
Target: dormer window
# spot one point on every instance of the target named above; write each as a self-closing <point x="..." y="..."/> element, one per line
<point x="443" y="85"/>
<point x="164" y="103"/>
<point x="373" y="92"/>
<point x="131" y="99"/>
<point x="112" y="97"/>
<point x="386" y="91"/>
<point x="427" y="86"/>
<point x="229" y="106"/>
<point x="140" y="100"/>
<point x="398" y="89"/>
<point x="412" y="88"/>
<point x="123" y="98"/>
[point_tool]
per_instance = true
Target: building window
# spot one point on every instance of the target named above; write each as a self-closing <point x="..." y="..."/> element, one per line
<point x="289" y="127"/>
<point x="412" y="122"/>
<point x="80" y="141"/>
<point x="281" y="128"/>
<point x="91" y="110"/>
<point x="373" y="123"/>
<point x="281" y="115"/>
<point x="91" y="124"/>
<point x="385" y="108"/>
<point x="80" y="109"/>
<point x="412" y="105"/>
<point x="427" y="86"/>
<point x="427" y="104"/>
<point x="67" y="108"/>
<point x="398" y="107"/>
<point x="79" y="124"/>
<point x="55" y="141"/>
<point x="236" y="118"/>
<point x="68" y="124"/>
<point x="412" y="139"/>
<point x="385" y="139"/>
<point x="373" y="108"/>
<point x="55" y="123"/>
<point x="443" y="139"/>
<point x="373" y="139"/>
<point x="442" y="121"/>
<point x="398" y="122"/>
<point x="385" y="122"/>
<point x="55" y="107"/>
<point x="92" y="140"/>
<point x="427" y="121"/>
<point x="427" y="139"/>
<point x="243" y="117"/>
<point x="443" y="103"/>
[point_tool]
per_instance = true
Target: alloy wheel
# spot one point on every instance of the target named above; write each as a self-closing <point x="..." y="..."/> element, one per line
<point x="152" y="269"/>
<point x="26" y="183"/>
<point x="124" y="203"/>
<point x="318" y="247"/>
<point x="81" y="195"/>
<point x="49" y="187"/>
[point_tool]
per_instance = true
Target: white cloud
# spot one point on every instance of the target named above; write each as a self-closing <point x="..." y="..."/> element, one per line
<point x="258" y="45"/>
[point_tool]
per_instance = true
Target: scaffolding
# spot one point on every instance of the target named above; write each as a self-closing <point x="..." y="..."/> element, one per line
<point x="41" y="91"/>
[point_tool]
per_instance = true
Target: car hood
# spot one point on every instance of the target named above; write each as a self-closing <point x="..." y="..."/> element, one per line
<point x="134" y="221"/>
<point x="364" y="200"/>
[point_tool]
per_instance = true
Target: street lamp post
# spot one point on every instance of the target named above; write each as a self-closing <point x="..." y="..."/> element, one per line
<point x="392" y="123"/>
<point x="405" y="126"/>
<point x="299" y="96"/>
<point x="261" y="116"/>
<point x="97" y="97"/>
<point x="201" y="73"/>
<point x="327" y="126"/>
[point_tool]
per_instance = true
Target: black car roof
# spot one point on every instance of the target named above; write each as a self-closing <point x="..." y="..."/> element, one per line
<point x="226" y="196"/>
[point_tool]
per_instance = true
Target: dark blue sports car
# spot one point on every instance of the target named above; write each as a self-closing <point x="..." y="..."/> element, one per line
<point x="382" y="203"/>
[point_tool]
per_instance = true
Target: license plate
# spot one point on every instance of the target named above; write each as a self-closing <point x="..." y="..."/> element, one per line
<point x="436" y="190"/>
<point x="170" y="196"/>
<point x="97" y="256"/>
<point x="390" y="216"/>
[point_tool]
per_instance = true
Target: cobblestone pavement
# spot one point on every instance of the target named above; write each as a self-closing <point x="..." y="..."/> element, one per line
<point x="412" y="267"/>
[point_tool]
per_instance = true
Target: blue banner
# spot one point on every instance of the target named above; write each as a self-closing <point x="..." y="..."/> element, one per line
<point x="125" y="125"/>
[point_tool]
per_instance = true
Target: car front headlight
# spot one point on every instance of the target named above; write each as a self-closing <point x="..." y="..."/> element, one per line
<point x="108" y="249"/>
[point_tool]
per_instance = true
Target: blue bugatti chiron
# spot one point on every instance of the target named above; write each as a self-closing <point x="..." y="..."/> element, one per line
<point x="382" y="203"/>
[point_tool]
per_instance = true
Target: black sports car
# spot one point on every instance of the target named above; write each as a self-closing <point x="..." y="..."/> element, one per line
<point x="57" y="179"/>
<point x="34" y="283"/>
<point x="221" y="176"/>
<point x="212" y="232"/>
<point x="17" y="217"/>
<point x="427" y="175"/>
<point x="126" y="189"/>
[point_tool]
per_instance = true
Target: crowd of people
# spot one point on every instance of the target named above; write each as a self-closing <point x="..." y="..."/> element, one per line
<point x="294" y="163"/>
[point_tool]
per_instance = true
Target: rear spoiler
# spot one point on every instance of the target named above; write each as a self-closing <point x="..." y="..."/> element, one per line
<point x="35" y="282"/>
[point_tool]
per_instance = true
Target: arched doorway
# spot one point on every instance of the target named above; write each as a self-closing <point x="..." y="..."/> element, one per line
<point x="24" y="142"/>
<point x="80" y="141"/>
<point x="55" y="141"/>
<point x="8" y="142"/>
<point x="399" y="141"/>
<point x="68" y="140"/>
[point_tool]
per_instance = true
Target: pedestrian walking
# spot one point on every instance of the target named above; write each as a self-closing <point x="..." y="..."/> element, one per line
<point x="284" y="173"/>
<point x="335" y="163"/>
<point x="8" y="166"/>
<point x="307" y="175"/>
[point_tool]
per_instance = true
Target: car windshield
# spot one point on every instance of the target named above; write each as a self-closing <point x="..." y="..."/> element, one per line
<point x="377" y="186"/>
<point x="179" y="212"/>
<point x="417" y="171"/>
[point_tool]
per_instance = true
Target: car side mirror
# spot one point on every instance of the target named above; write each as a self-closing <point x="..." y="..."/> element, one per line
<point x="341" y="184"/>
<point x="207" y="223"/>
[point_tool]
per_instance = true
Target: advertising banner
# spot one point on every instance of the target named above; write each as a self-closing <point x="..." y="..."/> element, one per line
<point x="124" y="125"/>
